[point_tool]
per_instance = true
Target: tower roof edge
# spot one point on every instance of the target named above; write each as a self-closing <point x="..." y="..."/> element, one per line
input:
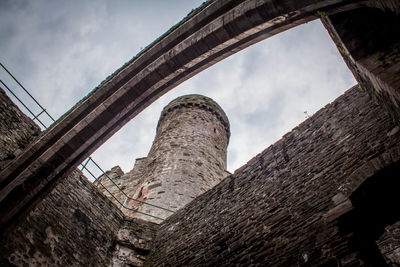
<point x="197" y="101"/>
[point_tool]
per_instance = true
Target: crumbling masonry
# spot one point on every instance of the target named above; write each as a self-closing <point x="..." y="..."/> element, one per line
<point x="324" y="195"/>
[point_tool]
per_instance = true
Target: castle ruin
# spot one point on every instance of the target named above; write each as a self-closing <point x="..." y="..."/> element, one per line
<point x="326" y="194"/>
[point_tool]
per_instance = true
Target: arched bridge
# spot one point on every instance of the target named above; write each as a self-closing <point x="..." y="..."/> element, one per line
<point x="214" y="31"/>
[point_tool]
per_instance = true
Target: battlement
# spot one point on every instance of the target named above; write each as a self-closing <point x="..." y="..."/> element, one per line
<point x="196" y="101"/>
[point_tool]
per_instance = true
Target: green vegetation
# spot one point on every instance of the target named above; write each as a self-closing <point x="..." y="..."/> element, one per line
<point x="320" y="13"/>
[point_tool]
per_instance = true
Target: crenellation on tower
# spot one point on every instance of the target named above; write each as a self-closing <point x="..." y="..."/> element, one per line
<point x="196" y="101"/>
<point x="187" y="158"/>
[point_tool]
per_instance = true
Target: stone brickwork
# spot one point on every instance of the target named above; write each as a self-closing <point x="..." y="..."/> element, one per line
<point x="188" y="157"/>
<point x="109" y="182"/>
<point x="74" y="226"/>
<point x="286" y="206"/>
<point x="389" y="244"/>
<point x="121" y="185"/>
<point x="371" y="49"/>
<point x="16" y="130"/>
<point x="134" y="240"/>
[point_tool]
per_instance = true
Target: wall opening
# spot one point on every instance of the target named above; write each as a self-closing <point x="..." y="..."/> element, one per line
<point x="375" y="205"/>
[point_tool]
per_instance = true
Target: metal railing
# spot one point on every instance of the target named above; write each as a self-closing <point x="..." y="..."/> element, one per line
<point x="84" y="167"/>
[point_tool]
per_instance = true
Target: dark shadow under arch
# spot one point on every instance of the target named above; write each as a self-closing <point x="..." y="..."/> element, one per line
<point x="375" y="206"/>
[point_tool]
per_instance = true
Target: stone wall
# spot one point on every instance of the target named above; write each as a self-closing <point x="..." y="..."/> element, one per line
<point x="371" y="49"/>
<point x="285" y="207"/>
<point x="16" y="130"/>
<point x="119" y="187"/>
<point x="75" y="225"/>
<point x="389" y="244"/>
<point x="134" y="240"/>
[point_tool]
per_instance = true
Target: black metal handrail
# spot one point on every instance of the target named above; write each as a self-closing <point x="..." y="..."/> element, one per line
<point x="90" y="159"/>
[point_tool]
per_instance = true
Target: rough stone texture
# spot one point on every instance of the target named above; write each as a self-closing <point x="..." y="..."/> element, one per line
<point x="16" y="130"/>
<point x="288" y="206"/>
<point x="121" y="185"/>
<point x="208" y="35"/>
<point x="134" y="241"/>
<point x="371" y="49"/>
<point x="74" y="225"/>
<point x="389" y="244"/>
<point x="188" y="157"/>
<point x="109" y="183"/>
<point x="386" y="5"/>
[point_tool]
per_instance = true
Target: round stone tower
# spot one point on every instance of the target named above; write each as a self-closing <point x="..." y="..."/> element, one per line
<point x="188" y="155"/>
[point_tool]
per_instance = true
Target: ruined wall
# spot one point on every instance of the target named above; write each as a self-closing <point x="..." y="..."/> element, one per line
<point x="75" y="225"/>
<point x="133" y="243"/>
<point x="368" y="39"/>
<point x="121" y="185"/>
<point x="284" y="206"/>
<point x="389" y="243"/>
<point x="109" y="182"/>
<point x="16" y="130"/>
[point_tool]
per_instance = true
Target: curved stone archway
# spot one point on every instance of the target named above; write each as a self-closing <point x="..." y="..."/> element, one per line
<point x="209" y="34"/>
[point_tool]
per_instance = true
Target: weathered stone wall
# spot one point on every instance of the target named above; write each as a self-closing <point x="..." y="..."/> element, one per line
<point x="134" y="241"/>
<point x="16" y="130"/>
<point x="389" y="244"/>
<point x="283" y="208"/>
<point x="368" y="39"/>
<point x="119" y="187"/>
<point x="109" y="183"/>
<point x="74" y="226"/>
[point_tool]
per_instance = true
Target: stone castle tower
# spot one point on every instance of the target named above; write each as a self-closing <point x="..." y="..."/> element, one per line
<point x="187" y="158"/>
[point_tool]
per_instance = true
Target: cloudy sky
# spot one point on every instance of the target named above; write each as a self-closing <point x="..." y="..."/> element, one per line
<point x="61" y="50"/>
